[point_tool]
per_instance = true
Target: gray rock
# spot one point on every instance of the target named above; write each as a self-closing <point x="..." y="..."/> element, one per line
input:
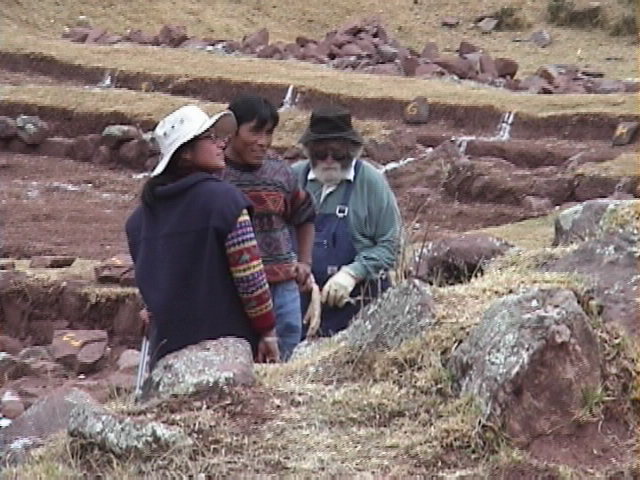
<point x="114" y="135"/>
<point x="8" y="127"/>
<point x="609" y="265"/>
<point x="403" y="312"/>
<point x="487" y="25"/>
<point x="210" y="366"/>
<point x="122" y="435"/>
<point x="529" y="361"/>
<point x="32" y="130"/>
<point x="592" y="218"/>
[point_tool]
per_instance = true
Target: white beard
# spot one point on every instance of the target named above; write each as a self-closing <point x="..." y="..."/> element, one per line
<point x="331" y="175"/>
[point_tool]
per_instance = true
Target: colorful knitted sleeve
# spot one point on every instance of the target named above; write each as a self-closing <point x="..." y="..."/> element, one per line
<point x="248" y="274"/>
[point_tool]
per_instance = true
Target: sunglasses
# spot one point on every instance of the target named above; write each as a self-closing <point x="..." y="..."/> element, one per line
<point x="338" y="156"/>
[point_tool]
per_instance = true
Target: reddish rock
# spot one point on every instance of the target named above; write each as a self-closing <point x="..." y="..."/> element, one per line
<point x="366" y="45"/>
<point x="95" y="34"/>
<point x="382" y="152"/>
<point x="430" y="70"/>
<point x="341" y="39"/>
<point x="430" y="51"/>
<point x="506" y="67"/>
<point x="351" y="49"/>
<point x="466" y="47"/>
<point x="134" y="153"/>
<point x="172" y="35"/>
<point x="77" y="34"/>
<point x="8" y="127"/>
<point x="56" y="147"/>
<point x="417" y="111"/>
<point x="112" y="269"/>
<point x="461" y="67"/>
<point x="450" y="22"/>
<point x="109" y="39"/>
<point x="102" y="156"/>
<point x="10" y="345"/>
<point x="304" y="41"/>
<point x="457" y="259"/>
<point x="81" y="351"/>
<point x="270" y="51"/>
<point x="488" y="66"/>
<point x="292" y="50"/>
<point x="143" y="38"/>
<point x="253" y="42"/>
<point x="85" y="146"/>
<point x="631" y="86"/>
<point x="51" y="261"/>
<point x="409" y="65"/>
<point x="550" y="73"/>
<point x="625" y="133"/>
<point x="48" y="416"/>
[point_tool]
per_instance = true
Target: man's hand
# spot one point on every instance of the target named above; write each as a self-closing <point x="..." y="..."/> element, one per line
<point x="268" y="351"/>
<point x="302" y="271"/>
<point x="338" y="288"/>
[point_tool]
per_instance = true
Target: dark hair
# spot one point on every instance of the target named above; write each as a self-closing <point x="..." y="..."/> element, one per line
<point x="170" y="174"/>
<point x="248" y="108"/>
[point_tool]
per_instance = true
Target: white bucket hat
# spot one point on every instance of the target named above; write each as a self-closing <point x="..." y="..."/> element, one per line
<point x="178" y="128"/>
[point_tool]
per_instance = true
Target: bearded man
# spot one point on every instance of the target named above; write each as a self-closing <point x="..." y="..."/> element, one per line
<point x="357" y="226"/>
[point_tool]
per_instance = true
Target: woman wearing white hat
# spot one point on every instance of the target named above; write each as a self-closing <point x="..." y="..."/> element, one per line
<point x="197" y="263"/>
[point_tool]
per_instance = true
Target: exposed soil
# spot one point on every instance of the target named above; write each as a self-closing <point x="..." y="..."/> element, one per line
<point x="63" y="207"/>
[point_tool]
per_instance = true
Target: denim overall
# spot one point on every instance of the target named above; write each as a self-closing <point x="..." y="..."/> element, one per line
<point x="333" y="248"/>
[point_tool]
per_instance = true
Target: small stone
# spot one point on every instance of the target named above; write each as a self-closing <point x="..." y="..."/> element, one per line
<point x="487" y="25"/>
<point x="114" y="135"/>
<point x="625" y="133"/>
<point x="129" y="360"/>
<point x="450" y="22"/>
<point x="417" y="111"/>
<point x="8" y="128"/>
<point x="31" y="129"/>
<point x="541" y="38"/>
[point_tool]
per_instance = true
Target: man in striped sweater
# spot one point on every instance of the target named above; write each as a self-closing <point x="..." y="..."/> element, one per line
<point x="283" y="213"/>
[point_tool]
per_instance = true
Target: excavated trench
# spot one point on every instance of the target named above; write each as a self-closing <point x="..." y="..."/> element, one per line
<point x="439" y="193"/>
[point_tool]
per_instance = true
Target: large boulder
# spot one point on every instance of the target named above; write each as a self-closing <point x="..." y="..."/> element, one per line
<point x="403" y="312"/>
<point x="46" y="417"/>
<point x="609" y="264"/>
<point x="457" y="259"/>
<point x="210" y="366"/>
<point x="114" y="135"/>
<point x="591" y="218"/>
<point x="529" y="361"/>
<point x="122" y="435"/>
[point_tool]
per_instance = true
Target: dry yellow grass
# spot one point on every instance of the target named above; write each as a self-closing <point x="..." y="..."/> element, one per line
<point x="626" y="165"/>
<point x="529" y="234"/>
<point x="413" y="23"/>
<point x="182" y="64"/>
<point x="153" y="106"/>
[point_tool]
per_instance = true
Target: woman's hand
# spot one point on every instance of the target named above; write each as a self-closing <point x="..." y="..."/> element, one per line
<point x="268" y="351"/>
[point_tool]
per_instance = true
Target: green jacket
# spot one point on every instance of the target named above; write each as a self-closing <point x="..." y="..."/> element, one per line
<point x="373" y="217"/>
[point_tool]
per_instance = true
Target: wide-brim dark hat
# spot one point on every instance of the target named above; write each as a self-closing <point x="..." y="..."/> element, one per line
<point x="330" y="123"/>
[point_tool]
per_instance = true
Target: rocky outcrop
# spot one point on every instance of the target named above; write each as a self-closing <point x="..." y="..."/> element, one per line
<point x="529" y="361"/>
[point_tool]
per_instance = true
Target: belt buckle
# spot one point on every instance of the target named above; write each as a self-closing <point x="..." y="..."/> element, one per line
<point x="342" y="211"/>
